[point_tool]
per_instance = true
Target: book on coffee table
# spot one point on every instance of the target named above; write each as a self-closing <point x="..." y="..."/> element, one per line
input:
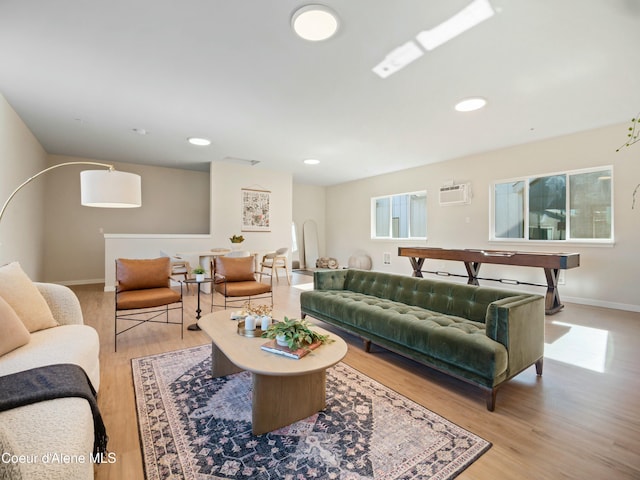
<point x="273" y="347"/>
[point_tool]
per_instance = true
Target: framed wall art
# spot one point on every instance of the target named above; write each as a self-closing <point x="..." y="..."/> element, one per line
<point x="256" y="210"/>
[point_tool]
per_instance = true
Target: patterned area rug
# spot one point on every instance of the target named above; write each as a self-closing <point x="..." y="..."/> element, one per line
<point x="193" y="426"/>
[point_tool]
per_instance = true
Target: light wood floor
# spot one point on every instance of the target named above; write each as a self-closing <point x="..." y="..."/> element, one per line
<point x="573" y="422"/>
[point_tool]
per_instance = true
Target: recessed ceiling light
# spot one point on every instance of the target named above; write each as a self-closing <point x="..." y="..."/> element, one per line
<point x="312" y="161"/>
<point x="314" y="22"/>
<point x="140" y="131"/>
<point x="470" y="104"/>
<point x="201" y="142"/>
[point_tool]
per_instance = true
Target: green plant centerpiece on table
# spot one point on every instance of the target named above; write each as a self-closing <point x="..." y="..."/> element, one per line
<point x="236" y="239"/>
<point x="296" y="333"/>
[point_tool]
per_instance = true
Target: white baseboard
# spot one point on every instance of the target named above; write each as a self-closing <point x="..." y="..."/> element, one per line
<point x="602" y="303"/>
<point x="90" y="281"/>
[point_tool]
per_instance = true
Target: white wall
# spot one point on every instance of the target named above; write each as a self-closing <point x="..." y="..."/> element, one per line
<point x="607" y="275"/>
<point x="309" y="204"/>
<point x="22" y="226"/>
<point x="227" y="180"/>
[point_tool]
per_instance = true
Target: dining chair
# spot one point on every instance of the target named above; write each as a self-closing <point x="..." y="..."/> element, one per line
<point x="179" y="267"/>
<point x="274" y="261"/>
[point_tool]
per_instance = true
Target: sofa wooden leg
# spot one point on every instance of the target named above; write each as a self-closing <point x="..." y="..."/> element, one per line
<point x="302" y="315"/>
<point x="539" y="364"/>
<point x="367" y="345"/>
<point x="491" y="399"/>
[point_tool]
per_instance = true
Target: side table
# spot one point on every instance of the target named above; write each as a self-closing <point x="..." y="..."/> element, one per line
<point x="194" y="326"/>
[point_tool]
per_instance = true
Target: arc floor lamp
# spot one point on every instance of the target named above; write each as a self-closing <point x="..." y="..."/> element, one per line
<point x="98" y="188"/>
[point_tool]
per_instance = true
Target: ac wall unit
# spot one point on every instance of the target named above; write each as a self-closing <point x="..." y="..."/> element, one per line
<point x="455" y="194"/>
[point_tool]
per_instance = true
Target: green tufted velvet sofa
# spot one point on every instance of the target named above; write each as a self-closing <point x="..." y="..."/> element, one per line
<point x="481" y="335"/>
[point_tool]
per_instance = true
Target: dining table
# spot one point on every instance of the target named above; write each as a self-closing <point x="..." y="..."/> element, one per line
<point x="205" y="257"/>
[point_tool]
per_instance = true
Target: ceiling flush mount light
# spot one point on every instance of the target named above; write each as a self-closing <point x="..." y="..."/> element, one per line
<point x="311" y="161"/>
<point x="475" y="13"/>
<point x="200" y="142"/>
<point x="314" y="23"/>
<point x="470" y="104"/>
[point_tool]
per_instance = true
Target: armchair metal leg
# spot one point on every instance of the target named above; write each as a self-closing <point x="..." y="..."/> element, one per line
<point x="147" y="315"/>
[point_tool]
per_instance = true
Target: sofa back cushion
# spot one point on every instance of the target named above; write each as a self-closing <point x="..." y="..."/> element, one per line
<point x="140" y="274"/>
<point x="467" y="301"/>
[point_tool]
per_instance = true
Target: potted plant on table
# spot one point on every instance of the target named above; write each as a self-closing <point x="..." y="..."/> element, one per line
<point x="199" y="273"/>
<point x="236" y="240"/>
<point x="294" y="334"/>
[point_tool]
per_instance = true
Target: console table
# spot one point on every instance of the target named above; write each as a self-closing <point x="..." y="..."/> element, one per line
<point x="552" y="263"/>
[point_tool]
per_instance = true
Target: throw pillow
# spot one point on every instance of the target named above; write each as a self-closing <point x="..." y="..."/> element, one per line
<point x="14" y="333"/>
<point x="19" y="291"/>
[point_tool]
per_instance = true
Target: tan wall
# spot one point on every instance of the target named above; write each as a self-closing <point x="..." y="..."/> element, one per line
<point x="607" y="275"/>
<point x="21" y="228"/>
<point x="173" y="201"/>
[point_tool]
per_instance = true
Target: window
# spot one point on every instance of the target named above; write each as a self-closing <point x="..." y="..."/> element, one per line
<point x="576" y="205"/>
<point x="399" y="216"/>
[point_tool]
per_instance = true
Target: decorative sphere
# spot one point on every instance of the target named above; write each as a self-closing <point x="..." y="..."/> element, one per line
<point x="361" y="261"/>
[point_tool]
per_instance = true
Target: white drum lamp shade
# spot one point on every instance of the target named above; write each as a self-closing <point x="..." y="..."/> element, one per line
<point x="110" y="189"/>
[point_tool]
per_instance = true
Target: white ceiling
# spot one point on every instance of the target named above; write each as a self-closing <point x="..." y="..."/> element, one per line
<point x="83" y="74"/>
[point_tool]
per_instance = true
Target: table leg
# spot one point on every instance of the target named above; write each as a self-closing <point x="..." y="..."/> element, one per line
<point x="194" y="326"/>
<point x="473" y="269"/>
<point x="205" y="262"/>
<point x="281" y="401"/>
<point x="416" y="264"/>
<point x="552" y="298"/>
<point x="221" y="366"/>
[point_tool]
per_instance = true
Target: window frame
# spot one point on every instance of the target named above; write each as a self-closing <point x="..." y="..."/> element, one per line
<point x="527" y="180"/>
<point x="373" y="217"/>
